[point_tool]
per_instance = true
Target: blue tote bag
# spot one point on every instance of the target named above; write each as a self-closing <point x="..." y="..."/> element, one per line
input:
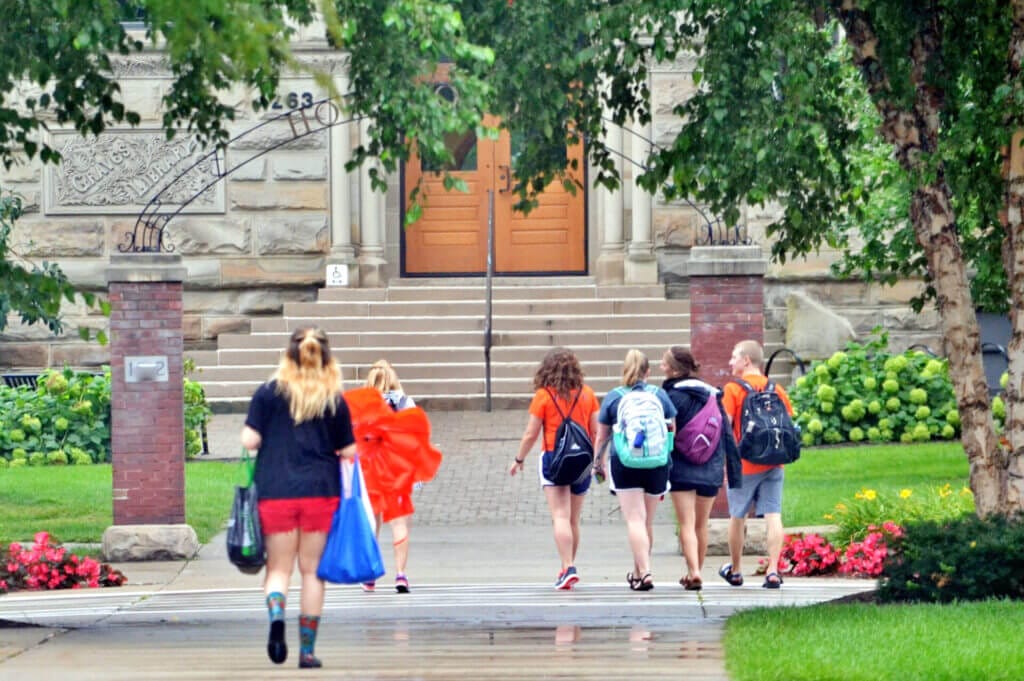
<point x="352" y="555"/>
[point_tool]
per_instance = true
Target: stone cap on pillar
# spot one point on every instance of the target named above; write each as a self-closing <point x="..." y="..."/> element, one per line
<point x="146" y="268"/>
<point x="726" y="261"/>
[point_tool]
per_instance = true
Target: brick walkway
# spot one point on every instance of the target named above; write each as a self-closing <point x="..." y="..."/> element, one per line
<point x="473" y="485"/>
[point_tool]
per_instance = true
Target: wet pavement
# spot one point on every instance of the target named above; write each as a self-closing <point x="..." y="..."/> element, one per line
<point x="482" y="566"/>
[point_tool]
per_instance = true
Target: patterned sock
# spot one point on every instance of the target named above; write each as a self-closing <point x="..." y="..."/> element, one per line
<point x="275" y="606"/>
<point x="308" y="625"/>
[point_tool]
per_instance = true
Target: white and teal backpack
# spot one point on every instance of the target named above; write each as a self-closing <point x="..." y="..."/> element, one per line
<point x="640" y="433"/>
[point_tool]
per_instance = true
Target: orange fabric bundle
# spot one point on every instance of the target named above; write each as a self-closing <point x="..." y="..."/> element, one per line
<point x="394" y="450"/>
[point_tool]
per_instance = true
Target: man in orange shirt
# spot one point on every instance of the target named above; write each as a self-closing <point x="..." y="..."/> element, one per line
<point x="762" y="485"/>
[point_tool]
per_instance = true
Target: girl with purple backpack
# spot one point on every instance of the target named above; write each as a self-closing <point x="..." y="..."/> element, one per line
<point x="703" y="446"/>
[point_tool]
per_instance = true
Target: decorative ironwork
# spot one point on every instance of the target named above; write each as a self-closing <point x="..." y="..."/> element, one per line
<point x="791" y="353"/>
<point x="712" y="232"/>
<point x="717" y="233"/>
<point x="149" y="233"/>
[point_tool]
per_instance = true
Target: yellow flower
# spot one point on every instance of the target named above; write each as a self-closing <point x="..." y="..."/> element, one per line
<point x="905" y="493"/>
<point x="841" y="507"/>
<point x="858" y="495"/>
<point x="870" y="494"/>
<point x="828" y="516"/>
<point x="966" y="492"/>
<point x="973" y="544"/>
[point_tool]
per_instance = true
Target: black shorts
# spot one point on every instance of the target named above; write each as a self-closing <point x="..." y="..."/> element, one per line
<point x="653" y="481"/>
<point x="707" y="491"/>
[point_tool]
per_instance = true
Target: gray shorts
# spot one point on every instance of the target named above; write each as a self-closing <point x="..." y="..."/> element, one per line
<point x="762" y="490"/>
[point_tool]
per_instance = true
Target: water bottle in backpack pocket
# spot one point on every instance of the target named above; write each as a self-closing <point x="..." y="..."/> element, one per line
<point x="640" y="434"/>
<point x="768" y="435"/>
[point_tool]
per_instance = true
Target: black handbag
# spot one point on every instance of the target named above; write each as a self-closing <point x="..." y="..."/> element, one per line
<point x="246" y="549"/>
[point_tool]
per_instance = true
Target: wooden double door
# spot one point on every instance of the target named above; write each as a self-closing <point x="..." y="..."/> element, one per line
<point x="451" y="235"/>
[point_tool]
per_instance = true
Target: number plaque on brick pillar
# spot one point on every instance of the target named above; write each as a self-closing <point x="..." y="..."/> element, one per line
<point x="147" y="412"/>
<point x="726" y="307"/>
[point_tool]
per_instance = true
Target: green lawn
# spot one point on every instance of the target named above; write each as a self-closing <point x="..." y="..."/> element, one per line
<point x="960" y="642"/>
<point x="73" y="503"/>
<point x="826" y="475"/>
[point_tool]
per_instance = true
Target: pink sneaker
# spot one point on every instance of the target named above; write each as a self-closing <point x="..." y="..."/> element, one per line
<point x="369" y="587"/>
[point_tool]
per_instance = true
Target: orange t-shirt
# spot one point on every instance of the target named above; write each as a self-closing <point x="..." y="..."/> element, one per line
<point x="732" y="402"/>
<point x="543" y="408"/>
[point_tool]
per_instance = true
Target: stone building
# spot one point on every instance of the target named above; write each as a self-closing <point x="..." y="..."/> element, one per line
<point x="260" y="243"/>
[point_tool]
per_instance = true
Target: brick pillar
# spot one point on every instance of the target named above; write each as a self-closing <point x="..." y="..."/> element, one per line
<point x="726" y="307"/>
<point x="147" y="410"/>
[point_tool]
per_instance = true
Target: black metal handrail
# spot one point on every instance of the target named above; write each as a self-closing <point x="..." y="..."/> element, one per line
<point x="771" y="358"/>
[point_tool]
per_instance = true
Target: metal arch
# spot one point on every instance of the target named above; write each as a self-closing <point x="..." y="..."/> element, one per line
<point x="799" y="362"/>
<point x="715" y="232"/>
<point x="147" y="236"/>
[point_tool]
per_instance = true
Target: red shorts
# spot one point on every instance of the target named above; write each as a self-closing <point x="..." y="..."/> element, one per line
<point x="309" y="514"/>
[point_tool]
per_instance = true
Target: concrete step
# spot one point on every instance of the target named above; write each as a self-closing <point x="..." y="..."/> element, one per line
<point x="500" y="337"/>
<point x="332" y="325"/>
<point x="425" y="388"/>
<point x="551" y="307"/>
<point x="411" y="371"/>
<point x="425" y="291"/>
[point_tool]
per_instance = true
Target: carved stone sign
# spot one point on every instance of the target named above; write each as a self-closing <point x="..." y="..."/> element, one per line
<point x="119" y="172"/>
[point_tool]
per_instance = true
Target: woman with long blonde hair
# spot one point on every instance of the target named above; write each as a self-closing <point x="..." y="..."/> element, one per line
<point x="300" y="426"/>
<point x="559" y="393"/>
<point x="383" y="377"/>
<point x="639" y="490"/>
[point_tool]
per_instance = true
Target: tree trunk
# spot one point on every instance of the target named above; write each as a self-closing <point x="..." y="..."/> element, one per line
<point x="935" y="227"/>
<point x="914" y="133"/>
<point x="1014" y="263"/>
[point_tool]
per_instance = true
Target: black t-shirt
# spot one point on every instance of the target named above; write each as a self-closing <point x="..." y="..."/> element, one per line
<point x="296" y="460"/>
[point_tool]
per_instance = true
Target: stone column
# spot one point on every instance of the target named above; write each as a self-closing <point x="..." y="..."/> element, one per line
<point x="147" y="410"/>
<point x="371" y="227"/>
<point x="641" y="266"/>
<point x="342" y="253"/>
<point x="611" y="261"/>
<point x="726" y="307"/>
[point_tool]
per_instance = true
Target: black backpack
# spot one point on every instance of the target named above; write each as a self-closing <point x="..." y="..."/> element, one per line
<point x="767" y="434"/>
<point x="573" y="454"/>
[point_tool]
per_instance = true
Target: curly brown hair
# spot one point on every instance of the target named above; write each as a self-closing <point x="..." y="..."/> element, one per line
<point x="560" y="370"/>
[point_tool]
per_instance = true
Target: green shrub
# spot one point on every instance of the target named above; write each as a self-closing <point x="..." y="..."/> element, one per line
<point x="866" y="392"/>
<point x="855" y="518"/>
<point x="66" y="418"/>
<point x="965" y="559"/>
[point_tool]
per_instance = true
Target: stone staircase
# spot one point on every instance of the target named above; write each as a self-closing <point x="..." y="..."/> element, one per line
<point x="432" y="331"/>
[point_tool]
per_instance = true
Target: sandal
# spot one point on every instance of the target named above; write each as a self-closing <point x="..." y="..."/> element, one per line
<point x="772" y="581"/>
<point x="645" y="583"/>
<point x="692" y="583"/>
<point x="726" y="573"/>
<point x="632" y="581"/>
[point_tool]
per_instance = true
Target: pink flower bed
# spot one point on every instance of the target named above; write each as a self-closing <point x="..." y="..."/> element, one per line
<point x="43" y="565"/>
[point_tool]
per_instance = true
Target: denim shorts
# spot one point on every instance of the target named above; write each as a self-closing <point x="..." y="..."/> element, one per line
<point x="577" y="488"/>
<point x="761" y="490"/>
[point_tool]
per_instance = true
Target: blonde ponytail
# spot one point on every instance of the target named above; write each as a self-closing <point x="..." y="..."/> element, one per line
<point x="308" y="376"/>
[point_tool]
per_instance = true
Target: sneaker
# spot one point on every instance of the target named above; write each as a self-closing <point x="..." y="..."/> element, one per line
<point x="401" y="584"/>
<point x="567" y="579"/>
<point x="369" y="586"/>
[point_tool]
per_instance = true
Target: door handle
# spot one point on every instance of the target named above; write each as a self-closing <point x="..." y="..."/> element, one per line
<point x="506" y="176"/>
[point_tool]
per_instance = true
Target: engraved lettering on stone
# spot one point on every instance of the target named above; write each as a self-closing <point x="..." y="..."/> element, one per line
<point x="122" y="172"/>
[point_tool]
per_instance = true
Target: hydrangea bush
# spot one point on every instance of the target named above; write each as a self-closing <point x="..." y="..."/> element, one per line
<point x="866" y="393"/>
<point x="65" y="419"/>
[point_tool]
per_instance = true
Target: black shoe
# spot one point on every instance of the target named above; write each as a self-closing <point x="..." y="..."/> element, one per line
<point x="277" y="649"/>
<point x="309" y="662"/>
